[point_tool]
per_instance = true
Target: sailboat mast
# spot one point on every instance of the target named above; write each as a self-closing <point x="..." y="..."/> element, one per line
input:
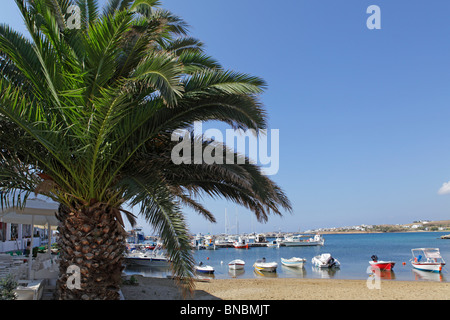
<point x="226" y="222"/>
<point x="237" y="223"/>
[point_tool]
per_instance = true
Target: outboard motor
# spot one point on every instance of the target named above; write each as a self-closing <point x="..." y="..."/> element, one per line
<point x="374" y="258"/>
<point x="331" y="262"/>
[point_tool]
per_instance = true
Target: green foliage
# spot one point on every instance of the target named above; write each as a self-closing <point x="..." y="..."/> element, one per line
<point x="86" y="116"/>
<point x="7" y="287"/>
<point x="131" y="282"/>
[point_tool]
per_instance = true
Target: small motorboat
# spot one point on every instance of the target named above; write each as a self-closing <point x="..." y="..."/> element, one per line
<point x="273" y="244"/>
<point x="263" y="265"/>
<point x="237" y="264"/>
<point x="382" y="265"/>
<point x="303" y="240"/>
<point x="241" y="243"/>
<point x="204" y="268"/>
<point x="427" y="259"/>
<point x="325" y="260"/>
<point x="293" y="262"/>
<point x="147" y="258"/>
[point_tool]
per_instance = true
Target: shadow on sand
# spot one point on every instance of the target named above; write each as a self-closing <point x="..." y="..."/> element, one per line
<point x="160" y="289"/>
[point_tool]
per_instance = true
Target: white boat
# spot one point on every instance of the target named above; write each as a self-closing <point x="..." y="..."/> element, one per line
<point x="303" y="240"/>
<point x="224" y="242"/>
<point x="263" y="265"/>
<point x="325" y="260"/>
<point x="148" y="258"/>
<point x="427" y="259"/>
<point x="273" y="244"/>
<point x="293" y="262"/>
<point x="237" y="264"/>
<point x="204" y="268"/>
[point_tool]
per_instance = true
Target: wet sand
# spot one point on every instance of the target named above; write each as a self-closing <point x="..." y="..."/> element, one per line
<point x="288" y="289"/>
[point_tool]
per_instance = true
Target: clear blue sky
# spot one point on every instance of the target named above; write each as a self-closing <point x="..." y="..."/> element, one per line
<point x="364" y="115"/>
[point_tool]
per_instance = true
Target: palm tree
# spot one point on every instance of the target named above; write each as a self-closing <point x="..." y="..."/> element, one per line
<point x="86" y="118"/>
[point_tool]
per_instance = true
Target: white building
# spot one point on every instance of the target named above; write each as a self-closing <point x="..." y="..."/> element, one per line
<point x="16" y="237"/>
<point x="16" y="224"/>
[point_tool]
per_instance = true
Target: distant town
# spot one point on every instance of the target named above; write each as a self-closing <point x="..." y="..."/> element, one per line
<point x="420" y="225"/>
<point x="415" y="226"/>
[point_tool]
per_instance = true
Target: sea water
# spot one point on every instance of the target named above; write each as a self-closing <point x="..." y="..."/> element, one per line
<point x="353" y="251"/>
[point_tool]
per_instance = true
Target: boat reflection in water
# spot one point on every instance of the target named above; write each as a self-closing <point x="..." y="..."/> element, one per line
<point x="204" y="276"/>
<point x="262" y="274"/>
<point x="235" y="273"/>
<point x="325" y="273"/>
<point x="383" y="274"/>
<point x="149" y="271"/>
<point x="428" y="276"/>
<point x="293" y="272"/>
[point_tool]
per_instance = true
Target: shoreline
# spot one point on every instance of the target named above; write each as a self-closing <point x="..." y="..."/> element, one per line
<point x="378" y="232"/>
<point x="287" y="289"/>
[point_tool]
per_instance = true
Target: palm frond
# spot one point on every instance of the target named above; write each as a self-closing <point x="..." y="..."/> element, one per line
<point x="89" y="12"/>
<point x="162" y="212"/>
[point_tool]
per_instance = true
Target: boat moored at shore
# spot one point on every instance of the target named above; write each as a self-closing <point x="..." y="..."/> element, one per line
<point x="293" y="262"/>
<point x="382" y="265"/>
<point x="325" y="260"/>
<point x="427" y="259"/>
<point x="201" y="268"/>
<point x="237" y="264"/>
<point x="147" y="258"/>
<point x="263" y="265"/>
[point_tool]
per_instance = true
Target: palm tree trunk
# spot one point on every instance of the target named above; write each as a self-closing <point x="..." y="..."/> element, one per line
<point x="91" y="242"/>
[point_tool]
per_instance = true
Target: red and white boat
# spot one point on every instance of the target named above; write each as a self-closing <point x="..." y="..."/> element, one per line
<point x="427" y="259"/>
<point x="241" y="243"/>
<point x="382" y="265"/>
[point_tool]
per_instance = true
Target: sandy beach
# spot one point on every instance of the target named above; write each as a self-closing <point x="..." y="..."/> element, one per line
<point x="288" y="289"/>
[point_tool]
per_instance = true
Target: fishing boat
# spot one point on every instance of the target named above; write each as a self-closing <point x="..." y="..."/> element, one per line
<point x="208" y="243"/>
<point x="263" y="265"/>
<point x="325" y="260"/>
<point x="224" y="242"/>
<point x="273" y="244"/>
<point x="293" y="262"/>
<point x="303" y="240"/>
<point x="241" y="243"/>
<point x="204" y="268"/>
<point x="237" y="264"/>
<point x="427" y="259"/>
<point x="197" y="242"/>
<point x="382" y="265"/>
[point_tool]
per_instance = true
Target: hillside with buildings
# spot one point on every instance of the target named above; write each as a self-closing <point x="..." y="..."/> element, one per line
<point x="421" y="225"/>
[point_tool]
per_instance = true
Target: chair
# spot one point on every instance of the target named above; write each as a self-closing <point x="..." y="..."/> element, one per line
<point x="30" y="289"/>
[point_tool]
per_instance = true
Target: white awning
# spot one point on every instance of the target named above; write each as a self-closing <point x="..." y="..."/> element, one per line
<point x="43" y="210"/>
<point x="432" y="254"/>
